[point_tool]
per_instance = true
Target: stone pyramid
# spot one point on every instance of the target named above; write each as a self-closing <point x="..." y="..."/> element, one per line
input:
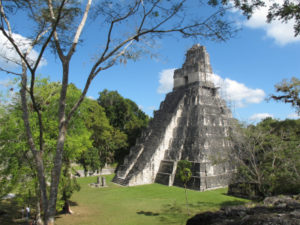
<point x="193" y="123"/>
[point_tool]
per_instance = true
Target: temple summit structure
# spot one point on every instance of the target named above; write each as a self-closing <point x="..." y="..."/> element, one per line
<point x="193" y="123"/>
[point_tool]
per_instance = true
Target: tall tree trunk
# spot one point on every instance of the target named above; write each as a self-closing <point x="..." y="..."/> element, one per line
<point x="66" y="208"/>
<point x="186" y="200"/>
<point x="66" y="196"/>
<point x="55" y="173"/>
<point x="37" y="154"/>
<point x="85" y="170"/>
<point x="38" y="217"/>
<point x="38" y="193"/>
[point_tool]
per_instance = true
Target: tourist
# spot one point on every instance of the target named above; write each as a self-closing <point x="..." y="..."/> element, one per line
<point x="27" y="212"/>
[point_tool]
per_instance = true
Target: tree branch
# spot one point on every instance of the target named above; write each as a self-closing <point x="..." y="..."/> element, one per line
<point x="55" y="35"/>
<point x="131" y="12"/>
<point x="105" y="56"/>
<point x="5" y="18"/>
<point x="12" y="41"/>
<point x="37" y="155"/>
<point x="79" y="30"/>
<point x="10" y="72"/>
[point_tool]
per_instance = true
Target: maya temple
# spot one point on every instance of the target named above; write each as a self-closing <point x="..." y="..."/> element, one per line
<point x="193" y="123"/>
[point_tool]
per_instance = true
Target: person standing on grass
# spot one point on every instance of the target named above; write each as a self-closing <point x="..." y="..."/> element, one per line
<point x="27" y="212"/>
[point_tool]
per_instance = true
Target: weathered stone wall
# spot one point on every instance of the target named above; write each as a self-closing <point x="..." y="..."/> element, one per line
<point x="193" y="124"/>
<point x="195" y="69"/>
<point x="142" y="164"/>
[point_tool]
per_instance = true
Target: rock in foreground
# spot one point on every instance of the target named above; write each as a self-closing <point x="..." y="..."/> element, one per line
<point x="274" y="211"/>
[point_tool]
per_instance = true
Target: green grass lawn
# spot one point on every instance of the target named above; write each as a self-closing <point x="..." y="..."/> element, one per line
<point x="147" y="204"/>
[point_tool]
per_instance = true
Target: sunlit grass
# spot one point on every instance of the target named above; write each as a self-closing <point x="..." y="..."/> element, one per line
<point x="146" y="204"/>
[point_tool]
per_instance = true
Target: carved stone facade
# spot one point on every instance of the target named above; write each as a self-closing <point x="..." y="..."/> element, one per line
<point x="193" y="123"/>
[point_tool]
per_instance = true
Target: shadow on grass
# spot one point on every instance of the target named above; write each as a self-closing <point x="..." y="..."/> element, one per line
<point x="63" y="212"/>
<point x="175" y="213"/>
<point x="232" y="203"/>
<point x="147" y="213"/>
<point x="205" y="205"/>
<point x="73" y="203"/>
<point x="169" y="214"/>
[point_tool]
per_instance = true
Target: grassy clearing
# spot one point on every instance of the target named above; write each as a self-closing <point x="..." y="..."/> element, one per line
<point x="147" y="204"/>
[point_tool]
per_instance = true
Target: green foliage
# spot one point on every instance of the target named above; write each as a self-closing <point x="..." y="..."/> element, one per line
<point x="15" y="160"/>
<point x="125" y="116"/>
<point x="123" y="113"/>
<point x="184" y="173"/>
<point x="67" y="185"/>
<point x="268" y="155"/>
<point x="17" y="163"/>
<point x="106" y="140"/>
<point x="184" y="170"/>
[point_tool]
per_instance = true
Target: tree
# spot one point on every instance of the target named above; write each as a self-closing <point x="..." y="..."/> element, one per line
<point x="59" y="24"/>
<point x="289" y="10"/>
<point x="285" y="11"/>
<point x="125" y="116"/>
<point x="290" y="93"/>
<point x="16" y="159"/>
<point x="98" y="124"/>
<point x="268" y="156"/>
<point x="105" y="138"/>
<point x="184" y="173"/>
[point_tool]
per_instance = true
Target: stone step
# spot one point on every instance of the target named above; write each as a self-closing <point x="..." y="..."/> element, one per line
<point x="119" y="181"/>
<point x="167" y="161"/>
<point x="193" y="183"/>
<point x="163" y="178"/>
<point x="166" y="166"/>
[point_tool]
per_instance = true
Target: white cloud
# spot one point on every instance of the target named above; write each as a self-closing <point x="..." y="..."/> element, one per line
<point x="293" y="116"/>
<point x="260" y="116"/>
<point x="165" y="81"/>
<point x="231" y="90"/>
<point x="282" y="33"/>
<point x="236" y="92"/>
<point x="9" y="57"/>
<point x="91" y="97"/>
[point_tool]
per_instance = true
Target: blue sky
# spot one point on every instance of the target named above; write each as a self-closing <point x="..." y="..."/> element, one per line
<point x="247" y="67"/>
